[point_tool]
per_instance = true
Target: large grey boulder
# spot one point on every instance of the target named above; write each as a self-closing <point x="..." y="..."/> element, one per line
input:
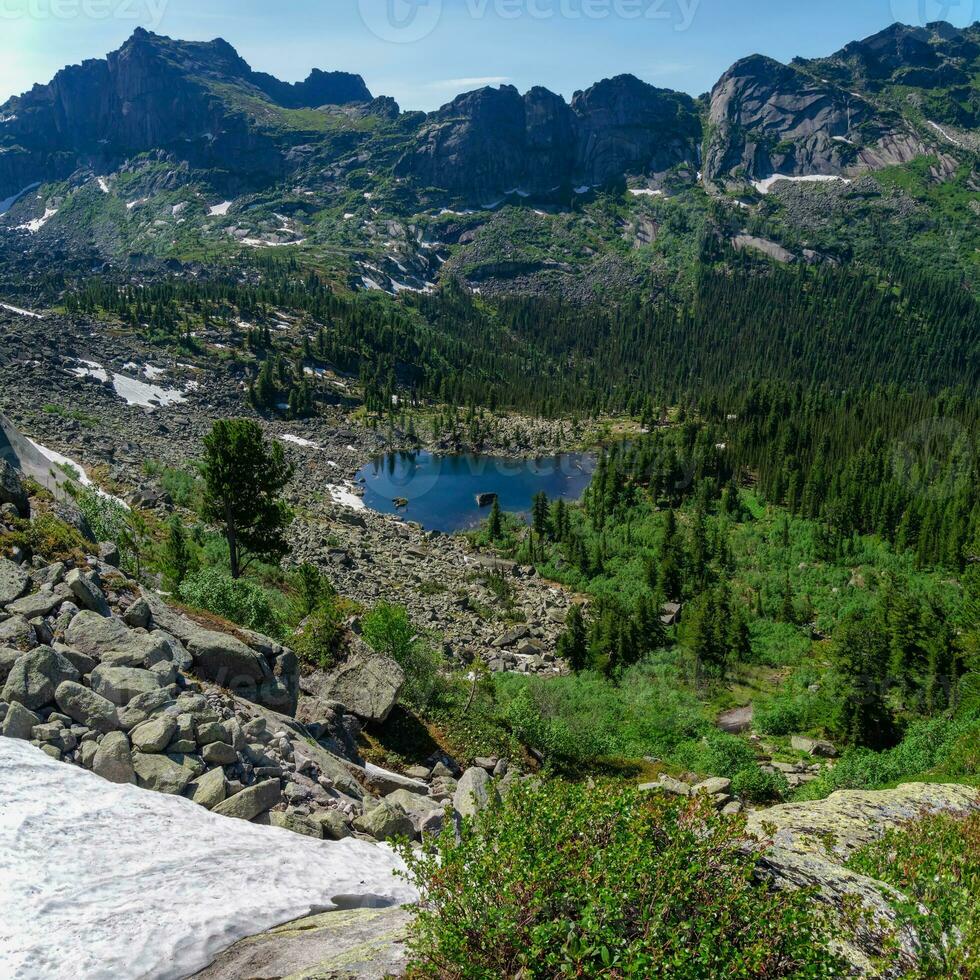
<point x="19" y="722"/>
<point x="114" y="760"/>
<point x="37" y="604"/>
<point x="367" y="685"/>
<point x="251" y="801"/>
<point x="364" y="943"/>
<point x="143" y="707"/>
<point x="8" y="657"/>
<point x="87" y="593"/>
<point x="86" y="707"/>
<point x="161" y="773"/>
<point x="208" y="790"/>
<point x="17" y="632"/>
<point x="12" y="490"/>
<point x="14" y="582"/>
<point x="473" y="792"/>
<point x="122" y="684"/>
<point x="98" y="635"/>
<point x="385" y="822"/>
<point x="35" y="677"/>
<point x="154" y="735"/>
<point x="228" y="662"/>
<point x="813" y="840"/>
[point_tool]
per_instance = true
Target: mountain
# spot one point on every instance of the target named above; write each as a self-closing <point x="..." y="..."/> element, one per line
<point x="173" y="156"/>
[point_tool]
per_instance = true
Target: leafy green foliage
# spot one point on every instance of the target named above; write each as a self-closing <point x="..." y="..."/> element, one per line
<point x="239" y="600"/>
<point x="567" y="880"/>
<point x="935" y="862"/>
<point x="389" y="631"/>
<point x="244" y="478"/>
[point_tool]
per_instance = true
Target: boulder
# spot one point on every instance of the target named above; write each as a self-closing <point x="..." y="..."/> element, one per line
<point x="251" y="801"/>
<point x="87" y="593"/>
<point x="122" y="684"/>
<point x="12" y="490"/>
<point x="334" y="825"/>
<point x="154" y="735"/>
<point x="367" y="685"/>
<point x="14" y="582"/>
<point x="143" y="707"/>
<point x="35" y="677"/>
<point x="713" y="787"/>
<point x="219" y="754"/>
<point x="385" y="822"/>
<point x="161" y="773"/>
<point x="473" y="792"/>
<point x="382" y="781"/>
<point x="813" y="746"/>
<point x="17" y="632"/>
<point x="8" y="657"/>
<point x="86" y="707"/>
<point x="208" y="790"/>
<point x="113" y="759"/>
<point x="298" y="823"/>
<point x="365" y="943"/>
<point x="19" y="722"/>
<point x="226" y="661"/>
<point x="37" y="604"/>
<point x="812" y="840"/>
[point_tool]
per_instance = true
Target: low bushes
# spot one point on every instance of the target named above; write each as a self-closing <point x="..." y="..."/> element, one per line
<point x="562" y="880"/>
<point x="242" y="601"/>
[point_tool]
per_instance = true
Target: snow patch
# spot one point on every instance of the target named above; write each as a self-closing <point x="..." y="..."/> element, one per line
<point x="38" y="223"/>
<point x="764" y="186"/>
<point x="104" y="880"/>
<point x="645" y="192"/>
<point x="344" y="496"/>
<point x="60" y="461"/>
<point x="20" y="312"/>
<point x="942" y="132"/>
<point x="300" y="441"/>
<point x="219" y="210"/>
<point x="103" y="185"/>
<point x="131" y="390"/>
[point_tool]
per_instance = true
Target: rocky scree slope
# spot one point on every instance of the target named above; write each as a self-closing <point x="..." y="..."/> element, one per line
<point x="100" y="673"/>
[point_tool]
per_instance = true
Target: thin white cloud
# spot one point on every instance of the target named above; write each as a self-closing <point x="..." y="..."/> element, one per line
<point x="460" y="84"/>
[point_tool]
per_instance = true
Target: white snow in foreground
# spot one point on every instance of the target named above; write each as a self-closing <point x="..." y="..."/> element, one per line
<point x="20" y="312"/>
<point x="9" y="202"/>
<point x="37" y="224"/>
<point x="299" y="441"/>
<point x="105" y="881"/>
<point x="344" y="496"/>
<point x="219" y="210"/>
<point x="764" y="186"/>
<point x="645" y="192"/>
<point x="942" y="132"/>
<point x="131" y="390"/>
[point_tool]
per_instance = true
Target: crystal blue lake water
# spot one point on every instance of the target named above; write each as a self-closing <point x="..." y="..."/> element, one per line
<point x="441" y="490"/>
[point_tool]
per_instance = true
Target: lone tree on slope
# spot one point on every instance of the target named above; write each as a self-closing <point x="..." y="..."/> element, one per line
<point x="244" y="477"/>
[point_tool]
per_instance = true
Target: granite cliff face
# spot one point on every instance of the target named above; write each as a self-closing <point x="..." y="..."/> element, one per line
<point x="495" y="141"/>
<point x="198" y="100"/>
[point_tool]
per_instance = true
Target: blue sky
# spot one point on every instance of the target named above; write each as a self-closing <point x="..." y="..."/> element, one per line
<point x="423" y="52"/>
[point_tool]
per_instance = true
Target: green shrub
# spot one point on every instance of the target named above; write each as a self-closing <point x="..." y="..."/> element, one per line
<point x="389" y="631"/>
<point x="562" y="880"/>
<point x="936" y="863"/>
<point x="757" y="786"/>
<point x="46" y="536"/>
<point x="240" y="600"/>
<point x="318" y="639"/>
<point x="717" y="754"/>
<point x="782" y="715"/>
